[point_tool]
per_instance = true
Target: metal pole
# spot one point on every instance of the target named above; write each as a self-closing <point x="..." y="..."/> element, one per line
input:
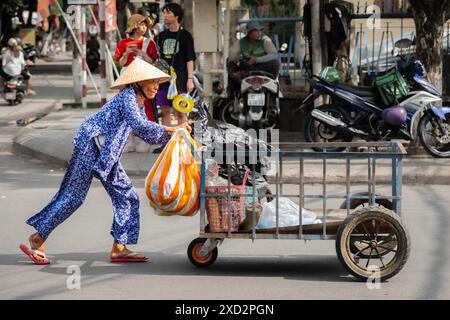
<point x="116" y="72"/>
<point x="316" y="54"/>
<point x="360" y="52"/>
<point x="372" y="73"/>
<point x="387" y="45"/>
<point x="401" y="26"/>
<point x="83" y="58"/>
<point x="226" y="45"/>
<point x="315" y="32"/>
<point x="101" y="14"/>
<point x="77" y="44"/>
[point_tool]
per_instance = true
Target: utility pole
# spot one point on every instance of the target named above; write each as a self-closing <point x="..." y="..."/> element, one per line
<point x="103" y="83"/>
<point x="316" y="37"/>
<point x="316" y="53"/>
<point x="83" y="58"/>
<point x="77" y="61"/>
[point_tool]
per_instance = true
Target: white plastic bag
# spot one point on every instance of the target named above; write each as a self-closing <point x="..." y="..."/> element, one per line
<point x="212" y="174"/>
<point x="288" y="215"/>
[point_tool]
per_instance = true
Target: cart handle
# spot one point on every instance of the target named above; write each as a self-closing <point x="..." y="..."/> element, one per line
<point x="244" y="181"/>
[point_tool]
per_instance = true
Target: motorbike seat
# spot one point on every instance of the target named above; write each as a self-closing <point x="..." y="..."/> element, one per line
<point x="260" y="73"/>
<point x="369" y="93"/>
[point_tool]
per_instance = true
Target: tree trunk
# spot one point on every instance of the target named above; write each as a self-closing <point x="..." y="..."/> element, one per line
<point x="429" y="20"/>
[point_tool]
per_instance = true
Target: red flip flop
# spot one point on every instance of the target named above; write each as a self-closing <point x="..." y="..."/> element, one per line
<point x="31" y="254"/>
<point x="131" y="257"/>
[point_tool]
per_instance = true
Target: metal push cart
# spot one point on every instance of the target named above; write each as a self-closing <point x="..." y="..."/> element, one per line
<point x="367" y="228"/>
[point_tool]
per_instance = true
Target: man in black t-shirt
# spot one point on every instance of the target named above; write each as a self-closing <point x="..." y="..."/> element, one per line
<point x="176" y="47"/>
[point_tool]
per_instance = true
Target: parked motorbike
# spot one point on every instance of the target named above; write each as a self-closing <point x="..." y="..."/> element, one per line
<point x="359" y="112"/>
<point x="255" y="104"/>
<point x="434" y="125"/>
<point x="198" y="93"/>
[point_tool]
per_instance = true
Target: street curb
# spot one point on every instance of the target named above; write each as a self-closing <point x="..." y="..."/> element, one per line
<point x="408" y="179"/>
<point x="415" y="170"/>
<point x="19" y="149"/>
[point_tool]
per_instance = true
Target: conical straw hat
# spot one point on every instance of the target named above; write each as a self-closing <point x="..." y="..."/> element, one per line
<point x="137" y="71"/>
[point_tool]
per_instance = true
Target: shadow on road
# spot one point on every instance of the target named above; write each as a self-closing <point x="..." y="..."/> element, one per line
<point x="293" y="267"/>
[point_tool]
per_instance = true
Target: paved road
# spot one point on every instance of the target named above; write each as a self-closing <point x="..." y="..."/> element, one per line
<point x="244" y="270"/>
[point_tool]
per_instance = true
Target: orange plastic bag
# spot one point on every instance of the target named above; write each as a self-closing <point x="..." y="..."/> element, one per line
<point x="173" y="183"/>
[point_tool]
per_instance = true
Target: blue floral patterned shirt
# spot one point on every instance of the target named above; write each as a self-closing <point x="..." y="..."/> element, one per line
<point x="115" y="120"/>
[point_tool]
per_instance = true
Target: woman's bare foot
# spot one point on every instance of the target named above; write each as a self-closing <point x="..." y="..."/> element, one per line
<point x="120" y="253"/>
<point x="36" y="253"/>
<point x="36" y="242"/>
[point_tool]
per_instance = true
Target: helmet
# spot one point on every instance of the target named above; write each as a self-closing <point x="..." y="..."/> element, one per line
<point x="394" y="116"/>
<point x="254" y="25"/>
<point x="12" y="42"/>
<point x="330" y="74"/>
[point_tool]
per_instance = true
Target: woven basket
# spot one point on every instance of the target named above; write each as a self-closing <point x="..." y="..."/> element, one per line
<point x="221" y="200"/>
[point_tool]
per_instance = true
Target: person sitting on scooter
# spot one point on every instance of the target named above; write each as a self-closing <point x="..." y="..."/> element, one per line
<point x="14" y="64"/>
<point x="254" y="52"/>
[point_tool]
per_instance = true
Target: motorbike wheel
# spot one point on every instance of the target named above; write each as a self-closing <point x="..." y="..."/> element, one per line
<point x="430" y="134"/>
<point x="11" y="102"/>
<point x="315" y="131"/>
<point x="225" y="113"/>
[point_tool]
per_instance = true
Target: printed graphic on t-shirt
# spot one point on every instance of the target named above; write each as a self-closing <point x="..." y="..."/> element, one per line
<point x="169" y="46"/>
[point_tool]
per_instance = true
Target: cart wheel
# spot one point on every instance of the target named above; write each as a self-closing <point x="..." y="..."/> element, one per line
<point x="194" y="254"/>
<point x="356" y="245"/>
<point x="381" y="238"/>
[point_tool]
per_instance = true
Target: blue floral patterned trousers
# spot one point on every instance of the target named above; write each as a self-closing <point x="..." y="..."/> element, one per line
<point x="73" y="191"/>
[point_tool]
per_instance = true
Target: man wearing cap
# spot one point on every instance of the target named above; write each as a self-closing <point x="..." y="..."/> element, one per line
<point x="98" y="146"/>
<point x="257" y="50"/>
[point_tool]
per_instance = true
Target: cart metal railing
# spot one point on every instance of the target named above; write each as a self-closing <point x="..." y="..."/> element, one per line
<point x="374" y="151"/>
<point x="366" y="239"/>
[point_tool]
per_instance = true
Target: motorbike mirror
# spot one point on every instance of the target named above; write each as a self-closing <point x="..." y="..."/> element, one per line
<point x="240" y="35"/>
<point x="404" y="43"/>
<point x="283" y="47"/>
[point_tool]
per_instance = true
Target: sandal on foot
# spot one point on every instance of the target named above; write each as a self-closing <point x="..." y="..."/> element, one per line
<point x="36" y="256"/>
<point x="130" y="257"/>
